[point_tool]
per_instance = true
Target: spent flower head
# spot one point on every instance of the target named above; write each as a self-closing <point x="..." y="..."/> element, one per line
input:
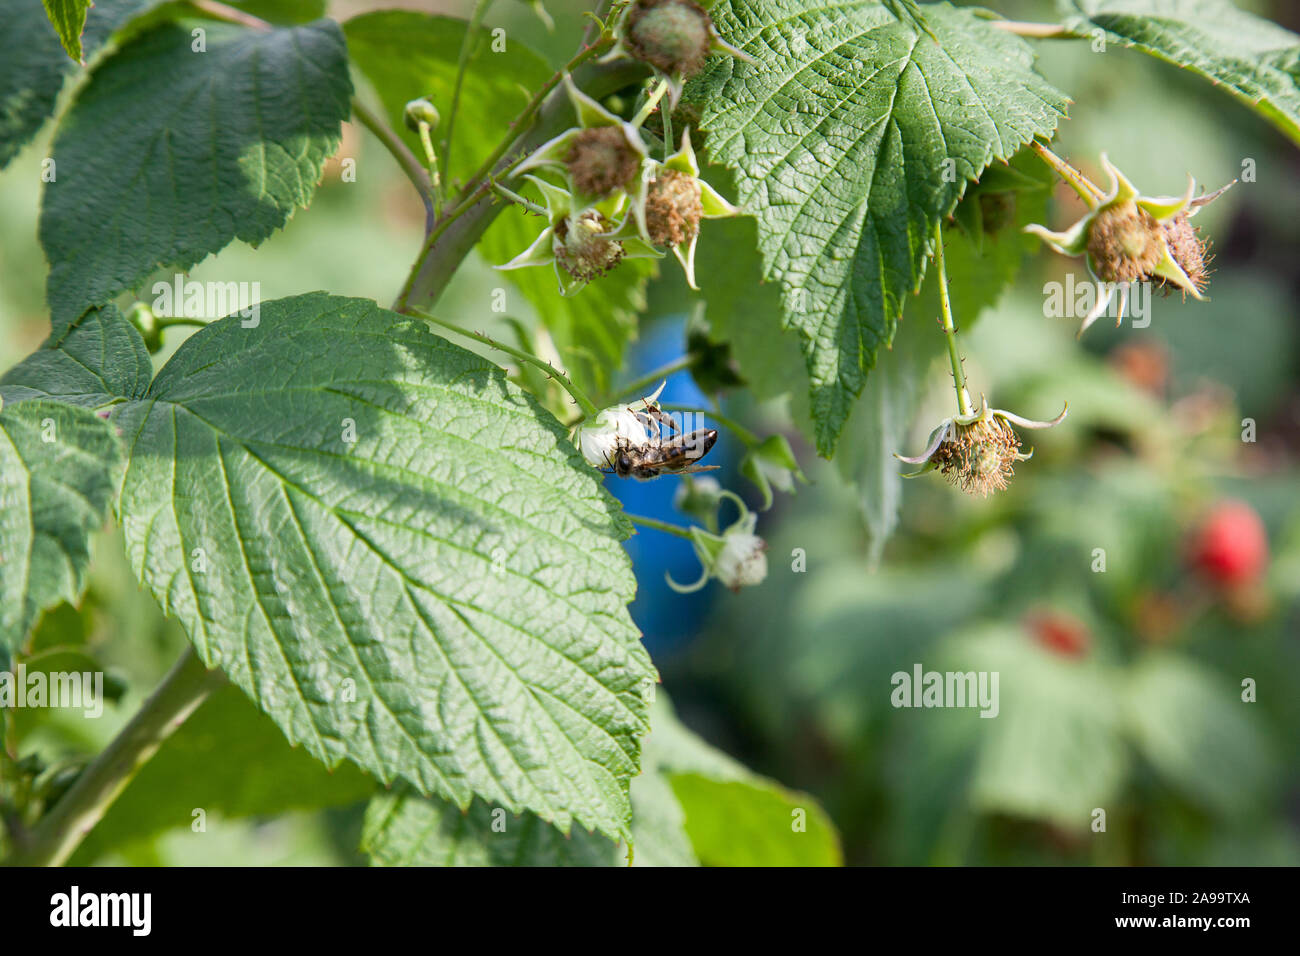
<point x="1126" y="237"/>
<point x="599" y="157"/>
<point x="578" y="242"/>
<point x="977" y="452"/>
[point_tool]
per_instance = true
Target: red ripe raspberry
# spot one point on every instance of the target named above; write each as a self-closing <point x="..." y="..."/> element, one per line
<point x="1230" y="547"/>
<point x="1059" y="632"/>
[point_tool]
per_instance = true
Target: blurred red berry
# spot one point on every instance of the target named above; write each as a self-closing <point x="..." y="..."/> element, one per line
<point x="1230" y="547"/>
<point x="1059" y="632"/>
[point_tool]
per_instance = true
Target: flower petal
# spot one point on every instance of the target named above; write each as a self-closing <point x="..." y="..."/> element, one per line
<point x="540" y="253"/>
<point x="936" y="439"/>
<point x="1029" y="422"/>
<point x="1166" y="207"/>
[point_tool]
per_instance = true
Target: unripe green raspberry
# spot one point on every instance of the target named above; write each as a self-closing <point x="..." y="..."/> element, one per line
<point x="673" y="36"/>
<point x="602" y="160"/>
<point x="673" y="208"/>
<point x="1125" y="243"/>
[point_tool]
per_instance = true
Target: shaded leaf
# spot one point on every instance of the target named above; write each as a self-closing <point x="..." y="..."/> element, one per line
<point x="152" y="174"/>
<point x="397" y="554"/>
<point x="59" y="467"/>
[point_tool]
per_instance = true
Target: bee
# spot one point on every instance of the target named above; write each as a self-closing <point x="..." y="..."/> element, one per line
<point x="676" y="455"/>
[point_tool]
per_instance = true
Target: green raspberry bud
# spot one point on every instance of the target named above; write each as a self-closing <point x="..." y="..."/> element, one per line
<point x="420" y="111"/>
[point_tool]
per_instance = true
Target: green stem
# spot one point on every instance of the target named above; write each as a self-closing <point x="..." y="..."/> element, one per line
<point x="658" y="525"/>
<point x="1088" y="192"/>
<point x="1040" y="31"/>
<point x="166" y="323"/>
<point x="221" y="11"/>
<point x="514" y="197"/>
<point x="589" y="410"/>
<point x="435" y="177"/>
<point x="406" y="159"/>
<point x="749" y="439"/>
<point x="638" y="387"/>
<point x="668" y="134"/>
<point x="949" y="330"/>
<point x="58" y="834"/>
<point x="426" y="275"/>
<point x="650" y="104"/>
<point x="462" y="63"/>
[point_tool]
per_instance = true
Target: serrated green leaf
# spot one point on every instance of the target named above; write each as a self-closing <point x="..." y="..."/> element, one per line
<point x="59" y="467"/>
<point x="100" y="358"/>
<point x="69" y="19"/>
<point x="590" y="330"/>
<point x="1255" y="60"/>
<point x="407" y="55"/>
<point x="441" y="599"/>
<point x="231" y="762"/>
<point x="749" y="824"/>
<point x="740" y="819"/>
<point x="32" y="68"/>
<point x="854" y="133"/>
<point x="404" y="829"/>
<point x="152" y="174"/>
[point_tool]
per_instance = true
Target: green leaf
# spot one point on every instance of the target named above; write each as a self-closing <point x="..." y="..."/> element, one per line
<point x="1256" y="61"/>
<point x="69" y="19"/>
<point x="591" y="330"/>
<point x="31" y="73"/>
<point x="59" y="467"/>
<point x="404" y="829"/>
<point x="687" y="790"/>
<point x="748" y="824"/>
<point x="396" y="553"/>
<point x="228" y="760"/>
<point x="161" y="174"/>
<point x="98" y="359"/>
<point x="407" y="55"/>
<point x="854" y="133"/>
<point x="1195" y="730"/>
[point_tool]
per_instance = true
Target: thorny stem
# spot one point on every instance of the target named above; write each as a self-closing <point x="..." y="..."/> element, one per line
<point x="589" y="409"/>
<point x="406" y="159"/>
<point x="644" y="113"/>
<point x="467" y="44"/>
<point x="423" y="280"/>
<point x="514" y="197"/>
<point x="748" y="438"/>
<point x="58" y="834"/>
<point x="658" y="525"/>
<point x="435" y="176"/>
<point x="1080" y="183"/>
<point x="949" y="330"/>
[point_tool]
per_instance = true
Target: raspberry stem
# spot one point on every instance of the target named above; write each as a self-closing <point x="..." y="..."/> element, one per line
<point x="949" y="330"/>
<point x="650" y="104"/>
